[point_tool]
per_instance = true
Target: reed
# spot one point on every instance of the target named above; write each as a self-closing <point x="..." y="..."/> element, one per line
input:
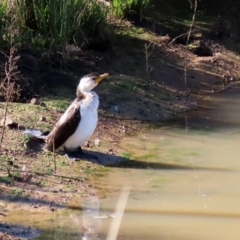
<point x="49" y="24"/>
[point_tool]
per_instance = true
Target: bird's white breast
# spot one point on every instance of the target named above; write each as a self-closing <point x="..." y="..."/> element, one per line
<point x="88" y="122"/>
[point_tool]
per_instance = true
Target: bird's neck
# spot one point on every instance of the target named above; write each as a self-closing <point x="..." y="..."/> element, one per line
<point x="83" y="94"/>
<point x="80" y="94"/>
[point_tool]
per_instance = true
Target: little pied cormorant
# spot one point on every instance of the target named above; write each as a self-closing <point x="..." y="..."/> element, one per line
<point x="78" y="122"/>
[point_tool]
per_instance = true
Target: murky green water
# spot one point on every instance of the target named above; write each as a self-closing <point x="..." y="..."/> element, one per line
<point x="183" y="179"/>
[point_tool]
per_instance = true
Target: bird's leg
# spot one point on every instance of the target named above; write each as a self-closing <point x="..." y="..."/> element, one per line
<point x="79" y="149"/>
<point x="79" y="154"/>
<point x="85" y="155"/>
<point x="69" y="155"/>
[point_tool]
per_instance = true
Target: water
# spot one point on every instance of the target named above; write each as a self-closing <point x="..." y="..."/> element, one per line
<point x="183" y="183"/>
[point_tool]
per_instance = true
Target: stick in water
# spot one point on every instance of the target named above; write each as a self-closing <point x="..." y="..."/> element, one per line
<point x="121" y="204"/>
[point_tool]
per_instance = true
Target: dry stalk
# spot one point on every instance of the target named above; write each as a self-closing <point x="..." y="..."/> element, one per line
<point x="179" y="36"/>
<point x="7" y="85"/>
<point x="54" y="158"/>
<point x="187" y="91"/>
<point x="147" y="55"/>
<point x="194" y="6"/>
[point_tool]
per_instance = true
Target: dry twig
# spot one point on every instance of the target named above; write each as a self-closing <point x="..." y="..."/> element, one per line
<point x="187" y="41"/>
<point x="148" y="68"/>
<point x="7" y="85"/>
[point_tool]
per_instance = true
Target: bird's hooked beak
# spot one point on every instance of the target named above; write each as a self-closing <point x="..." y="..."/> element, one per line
<point x="101" y="77"/>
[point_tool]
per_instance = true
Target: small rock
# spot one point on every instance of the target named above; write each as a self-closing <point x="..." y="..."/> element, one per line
<point x="8" y="122"/>
<point x="140" y="111"/>
<point x="96" y="142"/>
<point x="42" y="119"/>
<point x="116" y="109"/>
<point x="87" y="144"/>
<point x="73" y="49"/>
<point x="35" y="101"/>
<point x="10" y="163"/>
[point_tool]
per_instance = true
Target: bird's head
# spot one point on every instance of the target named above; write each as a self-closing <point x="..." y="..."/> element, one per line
<point x="90" y="81"/>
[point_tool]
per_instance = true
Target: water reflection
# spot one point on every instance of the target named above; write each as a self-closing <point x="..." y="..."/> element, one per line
<point x="89" y="220"/>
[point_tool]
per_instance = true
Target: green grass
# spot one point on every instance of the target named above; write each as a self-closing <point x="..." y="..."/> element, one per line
<point x="126" y="155"/>
<point x="5" y="180"/>
<point x="51" y="24"/>
<point x="4" y="23"/>
<point x="130" y="8"/>
<point x="17" y="192"/>
<point x="152" y="155"/>
<point x="49" y="170"/>
<point x="88" y="171"/>
<point x="104" y="169"/>
<point x="59" y="105"/>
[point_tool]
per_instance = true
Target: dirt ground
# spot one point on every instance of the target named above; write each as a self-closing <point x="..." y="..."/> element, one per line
<point x="178" y="82"/>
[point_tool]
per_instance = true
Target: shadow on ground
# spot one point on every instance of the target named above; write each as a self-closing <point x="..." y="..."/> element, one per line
<point x="109" y="160"/>
<point x="17" y="231"/>
<point x="121" y="162"/>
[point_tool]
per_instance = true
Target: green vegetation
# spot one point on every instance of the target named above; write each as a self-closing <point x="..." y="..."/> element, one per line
<point x="17" y="192"/>
<point x="4" y="179"/>
<point x="46" y="24"/>
<point x="130" y="9"/>
<point x="126" y="155"/>
<point x="88" y="171"/>
<point x="51" y="24"/>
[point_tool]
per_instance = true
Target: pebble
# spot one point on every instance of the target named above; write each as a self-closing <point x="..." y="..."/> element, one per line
<point x="116" y="109"/>
<point x="35" y="101"/>
<point x="96" y="142"/>
<point x="42" y="119"/>
<point x="140" y="111"/>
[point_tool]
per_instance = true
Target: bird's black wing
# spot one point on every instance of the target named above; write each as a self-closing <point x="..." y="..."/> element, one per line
<point x="64" y="127"/>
